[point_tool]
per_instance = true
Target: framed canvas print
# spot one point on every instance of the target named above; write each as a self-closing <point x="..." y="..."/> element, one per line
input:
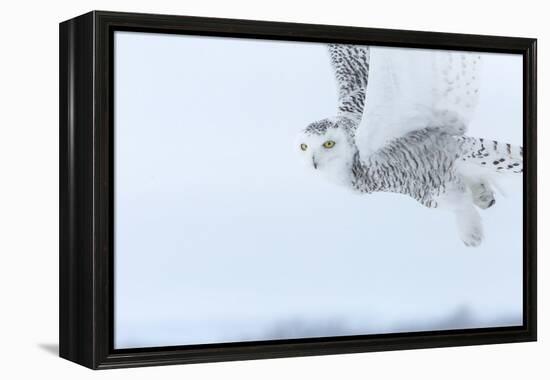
<point x="237" y="189"/>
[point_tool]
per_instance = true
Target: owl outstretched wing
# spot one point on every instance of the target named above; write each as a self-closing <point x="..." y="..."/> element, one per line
<point x="410" y="89"/>
<point x="351" y="68"/>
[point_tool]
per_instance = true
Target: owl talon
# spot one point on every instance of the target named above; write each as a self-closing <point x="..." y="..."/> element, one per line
<point x="483" y="195"/>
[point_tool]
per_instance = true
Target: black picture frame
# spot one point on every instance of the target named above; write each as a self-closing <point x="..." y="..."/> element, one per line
<point x="86" y="190"/>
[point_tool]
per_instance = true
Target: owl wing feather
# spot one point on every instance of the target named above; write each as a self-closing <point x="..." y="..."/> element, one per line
<point x="409" y="89"/>
<point x="351" y="69"/>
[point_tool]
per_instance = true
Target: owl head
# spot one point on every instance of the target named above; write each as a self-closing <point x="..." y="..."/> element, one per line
<point x="328" y="146"/>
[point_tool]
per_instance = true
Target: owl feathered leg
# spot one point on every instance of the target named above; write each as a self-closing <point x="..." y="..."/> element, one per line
<point x="469" y="224"/>
<point x="468" y="220"/>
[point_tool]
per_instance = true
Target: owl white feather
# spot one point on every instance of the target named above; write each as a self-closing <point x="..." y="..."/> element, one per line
<point x="402" y="115"/>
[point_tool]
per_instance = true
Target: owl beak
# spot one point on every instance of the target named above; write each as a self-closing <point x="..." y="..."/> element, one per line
<point x="314" y="162"/>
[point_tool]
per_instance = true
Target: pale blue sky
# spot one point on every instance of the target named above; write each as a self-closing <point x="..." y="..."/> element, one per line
<point x="222" y="235"/>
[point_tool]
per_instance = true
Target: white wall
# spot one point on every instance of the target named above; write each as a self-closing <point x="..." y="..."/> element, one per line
<point x="28" y="152"/>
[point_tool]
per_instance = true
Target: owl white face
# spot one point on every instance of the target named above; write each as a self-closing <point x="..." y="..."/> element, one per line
<point x="326" y="148"/>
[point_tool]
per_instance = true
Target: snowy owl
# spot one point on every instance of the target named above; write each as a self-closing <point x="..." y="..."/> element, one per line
<point x="400" y="124"/>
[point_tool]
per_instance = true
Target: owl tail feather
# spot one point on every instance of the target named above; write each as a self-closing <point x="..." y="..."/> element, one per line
<point x="492" y="155"/>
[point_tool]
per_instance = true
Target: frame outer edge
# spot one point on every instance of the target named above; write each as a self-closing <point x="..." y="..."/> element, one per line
<point x="76" y="278"/>
<point x="66" y="323"/>
<point x="531" y="231"/>
<point x="103" y="184"/>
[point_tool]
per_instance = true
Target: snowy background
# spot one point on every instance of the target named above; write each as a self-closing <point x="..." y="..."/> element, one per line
<point x="222" y="235"/>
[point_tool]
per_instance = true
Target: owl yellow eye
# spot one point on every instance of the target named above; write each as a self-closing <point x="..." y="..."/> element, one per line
<point x="303" y="147"/>
<point x="329" y="144"/>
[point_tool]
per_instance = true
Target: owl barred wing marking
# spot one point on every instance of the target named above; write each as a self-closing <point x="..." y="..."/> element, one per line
<point x="351" y="69"/>
<point x="492" y="155"/>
